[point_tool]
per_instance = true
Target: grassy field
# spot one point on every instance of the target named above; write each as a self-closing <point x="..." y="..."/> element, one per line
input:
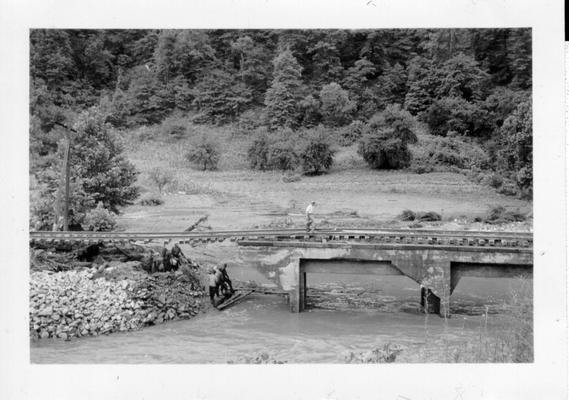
<point x="236" y="197"/>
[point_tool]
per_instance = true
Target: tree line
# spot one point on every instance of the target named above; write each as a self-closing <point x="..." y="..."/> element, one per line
<point x="471" y="84"/>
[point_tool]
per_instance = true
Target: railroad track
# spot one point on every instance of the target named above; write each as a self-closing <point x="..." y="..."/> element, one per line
<point x="394" y="236"/>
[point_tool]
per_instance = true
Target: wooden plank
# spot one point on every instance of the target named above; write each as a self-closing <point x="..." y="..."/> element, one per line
<point x="233" y="300"/>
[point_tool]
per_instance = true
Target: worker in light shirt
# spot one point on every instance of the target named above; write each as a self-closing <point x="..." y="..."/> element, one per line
<point x="309" y="220"/>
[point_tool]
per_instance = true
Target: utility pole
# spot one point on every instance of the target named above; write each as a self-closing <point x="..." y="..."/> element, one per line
<point x="66" y="166"/>
<point x="66" y="169"/>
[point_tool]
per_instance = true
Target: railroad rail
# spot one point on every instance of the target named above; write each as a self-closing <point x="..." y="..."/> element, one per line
<point x="423" y="237"/>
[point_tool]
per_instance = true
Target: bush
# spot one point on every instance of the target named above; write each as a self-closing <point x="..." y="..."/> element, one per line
<point x="407" y="215"/>
<point x="283" y="153"/>
<point x="509" y="188"/>
<point x="258" y="152"/>
<point x="383" y="150"/>
<point x="493" y="180"/>
<point x="441" y="153"/>
<point x="386" y="138"/>
<point x="160" y="177"/>
<point x="151" y="199"/>
<point x="452" y="114"/>
<point x="290" y="177"/>
<point x="515" y="156"/>
<point x="386" y="354"/>
<point x="174" y="127"/>
<point x="499" y="215"/>
<point x="205" y="153"/>
<point x="351" y="133"/>
<point x="249" y="121"/>
<point x="428" y="216"/>
<point x="278" y="150"/>
<point x="401" y="121"/>
<point x="316" y="154"/>
<point x="100" y="219"/>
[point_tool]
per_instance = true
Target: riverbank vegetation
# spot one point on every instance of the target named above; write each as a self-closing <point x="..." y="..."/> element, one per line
<point x="424" y="100"/>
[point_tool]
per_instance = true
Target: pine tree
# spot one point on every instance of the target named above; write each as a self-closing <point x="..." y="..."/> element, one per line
<point x="282" y="97"/>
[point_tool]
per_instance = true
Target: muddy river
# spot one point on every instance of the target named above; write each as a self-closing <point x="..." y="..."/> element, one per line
<point x="345" y="314"/>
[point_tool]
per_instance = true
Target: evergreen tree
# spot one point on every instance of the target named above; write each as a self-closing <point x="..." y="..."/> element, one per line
<point x="282" y="97"/>
<point x="221" y="96"/>
<point x="99" y="167"/>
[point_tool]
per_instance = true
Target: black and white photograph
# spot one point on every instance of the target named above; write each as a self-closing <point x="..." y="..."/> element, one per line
<point x="244" y="196"/>
<point x="278" y="196"/>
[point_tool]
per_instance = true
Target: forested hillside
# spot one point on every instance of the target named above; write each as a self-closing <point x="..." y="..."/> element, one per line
<point x="468" y="88"/>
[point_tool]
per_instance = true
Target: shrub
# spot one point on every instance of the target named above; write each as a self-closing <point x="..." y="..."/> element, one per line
<point x="278" y="150"/>
<point x="515" y="156"/>
<point x="386" y="138"/>
<point x="290" y="177"/>
<point x="442" y="153"/>
<point x="493" y="180"/>
<point x="100" y="219"/>
<point x="283" y="153"/>
<point x="499" y="215"/>
<point x="428" y="216"/>
<point x="151" y="199"/>
<point x="458" y="115"/>
<point x="382" y="149"/>
<point x="160" y="177"/>
<point x="249" y="121"/>
<point x="316" y="154"/>
<point x="351" y="133"/>
<point x="205" y="153"/>
<point x="508" y="188"/>
<point x="401" y="121"/>
<point x="174" y="127"/>
<point x="407" y="215"/>
<point x="258" y="152"/>
<point x="386" y="354"/>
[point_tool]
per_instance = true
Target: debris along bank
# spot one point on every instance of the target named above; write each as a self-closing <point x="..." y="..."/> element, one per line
<point x="100" y="289"/>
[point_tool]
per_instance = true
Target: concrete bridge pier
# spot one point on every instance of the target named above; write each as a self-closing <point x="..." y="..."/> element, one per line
<point x="436" y="269"/>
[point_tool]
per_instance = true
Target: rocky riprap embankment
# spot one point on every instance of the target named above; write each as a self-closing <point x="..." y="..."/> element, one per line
<point x="119" y="296"/>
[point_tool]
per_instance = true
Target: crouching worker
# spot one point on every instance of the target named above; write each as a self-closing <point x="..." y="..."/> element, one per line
<point x="226" y="285"/>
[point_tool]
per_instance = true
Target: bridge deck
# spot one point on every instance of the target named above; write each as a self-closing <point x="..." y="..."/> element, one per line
<point x="418" y="237"/>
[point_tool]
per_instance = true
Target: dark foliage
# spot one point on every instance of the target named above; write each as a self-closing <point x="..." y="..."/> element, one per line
<point x="316" y="152"/>
<point x="204" y="153"/>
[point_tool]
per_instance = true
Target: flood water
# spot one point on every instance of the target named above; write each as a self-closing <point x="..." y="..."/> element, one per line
<point x="346" y="313"/>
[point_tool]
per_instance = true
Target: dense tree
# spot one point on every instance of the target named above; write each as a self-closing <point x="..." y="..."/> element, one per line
<point x="515" y="156"/>
<point x="384" y="144"/>
<point x="336" y="108"/>
<point x="98" y="163"/>
<point x="316" y="154"/>
<point x="282" y="97"/>
<point x="465" y="82"/>
<point x="221" y="96"/>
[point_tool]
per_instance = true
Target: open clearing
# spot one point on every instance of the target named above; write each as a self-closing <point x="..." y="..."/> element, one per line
<point x="235" y="197"/>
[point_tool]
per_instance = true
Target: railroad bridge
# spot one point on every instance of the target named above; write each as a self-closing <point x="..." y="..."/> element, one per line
<point x="435" y="259"/>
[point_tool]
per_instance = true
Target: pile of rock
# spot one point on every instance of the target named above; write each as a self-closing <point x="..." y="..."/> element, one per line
<point x="91" y="302"/>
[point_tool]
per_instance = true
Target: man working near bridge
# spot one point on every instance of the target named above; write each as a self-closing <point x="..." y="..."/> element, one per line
<point x="309" y="220"/>
<point x="225" y="281"/>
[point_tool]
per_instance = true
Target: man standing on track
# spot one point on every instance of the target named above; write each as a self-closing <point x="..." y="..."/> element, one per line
<point x="309" y="220"/>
